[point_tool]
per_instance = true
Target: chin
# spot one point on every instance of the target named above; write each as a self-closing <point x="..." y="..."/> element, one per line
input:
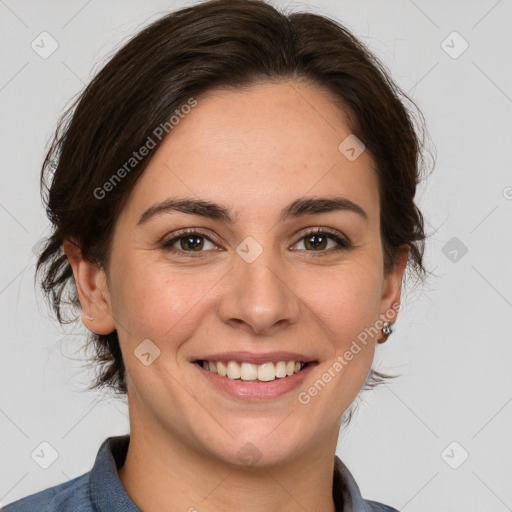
<point x="258" y="449"/>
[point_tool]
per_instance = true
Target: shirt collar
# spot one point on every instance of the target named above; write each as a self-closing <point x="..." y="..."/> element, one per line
<point x="107" y="491"/>
<point x="347" y="496"/>
<point x="109" y="495"/>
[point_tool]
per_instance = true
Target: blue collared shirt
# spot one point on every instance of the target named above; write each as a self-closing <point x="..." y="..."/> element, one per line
<point x="100" y="489"/>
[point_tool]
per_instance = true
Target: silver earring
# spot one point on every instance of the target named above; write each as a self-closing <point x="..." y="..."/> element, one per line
<point x="386" y="328"/>
<point x="89" y="317"/>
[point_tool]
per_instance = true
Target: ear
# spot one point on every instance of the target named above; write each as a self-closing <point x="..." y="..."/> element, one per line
<point x="392" y="287"/>
<point x="91" y="284"/>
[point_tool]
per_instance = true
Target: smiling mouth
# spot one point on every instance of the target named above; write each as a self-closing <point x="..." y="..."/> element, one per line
<point x="254" y="372"/>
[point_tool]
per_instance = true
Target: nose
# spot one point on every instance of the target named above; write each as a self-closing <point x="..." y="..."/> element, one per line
<point x="258" y="296"/>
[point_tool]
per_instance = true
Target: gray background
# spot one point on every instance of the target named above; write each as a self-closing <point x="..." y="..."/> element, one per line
<point x="452" y="344"/>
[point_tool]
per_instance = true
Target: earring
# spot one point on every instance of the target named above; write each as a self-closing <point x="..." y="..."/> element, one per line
<point x="89" y="317"/>
<point x="386" y="328"/>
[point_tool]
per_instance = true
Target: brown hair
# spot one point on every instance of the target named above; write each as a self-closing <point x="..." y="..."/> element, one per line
<point x="214" y="44"/>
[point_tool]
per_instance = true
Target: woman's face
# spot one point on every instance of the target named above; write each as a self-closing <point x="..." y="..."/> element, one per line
<point x="255" y="287"/>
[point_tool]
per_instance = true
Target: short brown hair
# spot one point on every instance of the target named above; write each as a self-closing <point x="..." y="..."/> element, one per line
<point x="216" y="44"/>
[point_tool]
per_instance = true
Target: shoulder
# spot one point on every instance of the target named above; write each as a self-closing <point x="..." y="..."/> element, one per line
<point x="71" y="495"/>
<point x="374" y="506"/>
<point x="99" y="485"/>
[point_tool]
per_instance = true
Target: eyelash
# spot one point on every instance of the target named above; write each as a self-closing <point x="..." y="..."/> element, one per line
<point x="342" y="243"/>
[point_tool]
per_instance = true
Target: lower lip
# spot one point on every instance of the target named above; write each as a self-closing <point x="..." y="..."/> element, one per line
<point x="255" y="390"/>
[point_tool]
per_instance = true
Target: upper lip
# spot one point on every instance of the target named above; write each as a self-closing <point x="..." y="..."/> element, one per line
<point x="255" y="358"/>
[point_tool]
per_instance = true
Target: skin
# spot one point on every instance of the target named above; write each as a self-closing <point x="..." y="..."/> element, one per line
<point x="233" y="148"/>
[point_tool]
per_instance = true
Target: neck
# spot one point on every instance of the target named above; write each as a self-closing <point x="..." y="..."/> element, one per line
<point x="162" y="473"/>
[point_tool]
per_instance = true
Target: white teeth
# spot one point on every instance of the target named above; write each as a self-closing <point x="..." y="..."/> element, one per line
<point x="248" y="371"/>
<point x="281" y="369"/>
<point x="266" y="372"/>
<point x="233" y="370"/>
<point x="222" y="369"/>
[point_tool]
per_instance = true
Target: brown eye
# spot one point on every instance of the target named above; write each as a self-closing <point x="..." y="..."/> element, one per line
<point x="191" y="242"/>
<point x="188" y="243"/>
<point x="315" y="242"/>
<point x="318" y="241"/>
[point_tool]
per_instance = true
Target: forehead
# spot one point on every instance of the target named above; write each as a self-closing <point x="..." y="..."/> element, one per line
<point x="258" y="148"/>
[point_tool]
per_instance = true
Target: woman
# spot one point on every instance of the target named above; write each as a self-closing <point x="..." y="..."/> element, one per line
<point x="232" y="200"/>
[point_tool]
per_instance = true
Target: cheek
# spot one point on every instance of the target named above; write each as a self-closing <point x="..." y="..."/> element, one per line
<point x="347" y="304"/>
<point x="346" y="300"/>
<point x="337" y="382"/>
<point x="158" y="301"/>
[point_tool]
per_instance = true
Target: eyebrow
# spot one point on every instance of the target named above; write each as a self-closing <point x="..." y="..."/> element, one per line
<point x="211" y="210"/>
